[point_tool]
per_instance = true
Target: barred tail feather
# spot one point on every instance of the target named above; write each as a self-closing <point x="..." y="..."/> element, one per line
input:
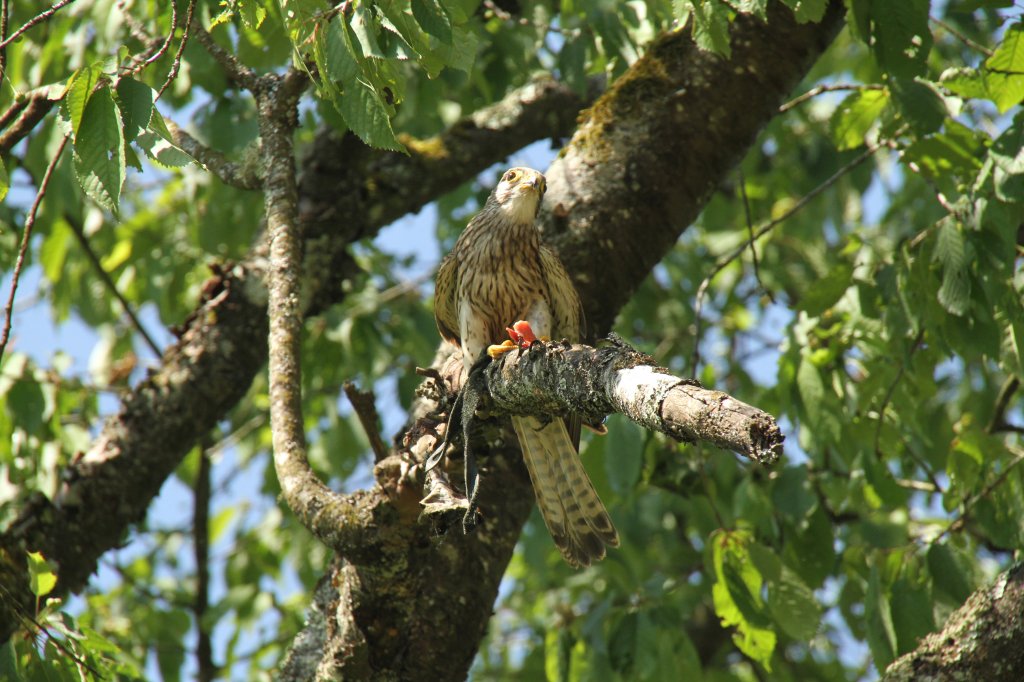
<point x="572" y="511"/>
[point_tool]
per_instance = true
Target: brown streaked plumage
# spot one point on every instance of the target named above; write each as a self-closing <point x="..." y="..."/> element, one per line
<point x="499" y="273"/>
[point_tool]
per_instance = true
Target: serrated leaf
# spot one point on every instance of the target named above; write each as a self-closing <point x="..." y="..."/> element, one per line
<point x="1004" y="70"/>
<point x="135" y="101"/>
<point x="42" y="579"/>
<point x="364" y="28"/>
<point x="855" y="116"/>
<point x="951" y="252"/>
<point x="432" y="16"/>
<point x="80" y="87"/>
<point x="367" y="116"/>
<point x="736" y="594"/>
<point x="711" y="26"/>
<point x="251" y="12"/>
<point x="902" y="39"/>
<point x="99" y="158"/>
<point x="161" y="151"/>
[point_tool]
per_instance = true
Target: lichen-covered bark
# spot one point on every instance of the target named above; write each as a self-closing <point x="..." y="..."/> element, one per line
<point x="980" y="641"/>
<point x="648" y="154"/>
<point x="348" y="191"/>
<point x="556" y="379"/>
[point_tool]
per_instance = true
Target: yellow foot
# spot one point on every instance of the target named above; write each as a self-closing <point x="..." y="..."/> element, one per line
<point x="498" y="350"/>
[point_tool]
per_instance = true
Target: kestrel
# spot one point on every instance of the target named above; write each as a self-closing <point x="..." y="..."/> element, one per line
<point x="498" y="275"/>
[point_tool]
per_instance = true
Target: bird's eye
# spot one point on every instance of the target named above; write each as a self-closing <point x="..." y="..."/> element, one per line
<point x="511" y="175"/>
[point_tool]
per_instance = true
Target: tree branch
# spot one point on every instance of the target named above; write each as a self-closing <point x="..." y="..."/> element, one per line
<point x="554" y="379"/>
<point x="980" y="640"/>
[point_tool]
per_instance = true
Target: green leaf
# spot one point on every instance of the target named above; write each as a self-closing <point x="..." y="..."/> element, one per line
<point x="919" y="105"/>
<point x="5" y="181"/>
<point x="1004" y="70"/>
<point x="364" y="28"/>
<point x="42" y="579"/>
<point x="711" y="26"/>
<point x="432" y="16"/>
<point x="793" y="606"/>
<point x="367" y="116"/>
<point x="827" y="291"/>
<point x="251" y="12"/>
<point x="807" y="10"/>
<point x="135" y="101"/>
<point x="161" y="151"/>
<point x="912" y="617"/>
<point x="902" y="40"/>
<point x="622" y="643"/>
<point x="948" y="575"/>
<point x="820" y="417"/>
<point x="737" y="596"/>
<point x="855" y="117"/>
<point x="99" y="158"/>
<point x="80" y="88"/>
<point x="881" y="634"/>
<point x="951" y="251"/>
<point x="624" y="454"/>
<point x="557" y="647"/>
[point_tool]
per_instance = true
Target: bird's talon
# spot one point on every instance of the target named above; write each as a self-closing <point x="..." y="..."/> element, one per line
<point x="497" y="350"/>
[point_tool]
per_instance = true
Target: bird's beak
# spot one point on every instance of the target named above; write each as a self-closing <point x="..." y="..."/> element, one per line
<point x="533" y="183"/>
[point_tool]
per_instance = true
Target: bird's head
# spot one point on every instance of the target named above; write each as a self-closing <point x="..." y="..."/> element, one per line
<point x="519" y="193"/>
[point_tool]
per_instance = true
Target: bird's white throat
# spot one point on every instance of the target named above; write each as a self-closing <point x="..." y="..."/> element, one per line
<point x="522" y="208"/>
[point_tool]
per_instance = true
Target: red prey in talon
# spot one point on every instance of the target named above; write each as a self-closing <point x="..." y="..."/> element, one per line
<point x="520" y="336"/>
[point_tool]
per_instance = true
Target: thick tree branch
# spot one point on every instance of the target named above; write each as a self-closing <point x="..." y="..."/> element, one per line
<point x="980" y="641"/>
<point x="554" y="379"/>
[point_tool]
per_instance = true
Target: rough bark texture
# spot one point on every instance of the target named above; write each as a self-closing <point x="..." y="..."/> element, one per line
<point x="980" y="641"/>
<point x="555" y="379"/>
<point x="348" y="191"/>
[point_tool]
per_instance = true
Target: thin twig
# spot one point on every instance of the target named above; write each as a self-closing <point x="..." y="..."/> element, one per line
<point x="750" y="230"/>
<point x="998" y="421"/>
<point x="4" y="17"/>
<point x="201" y="544"/>
<point x="36" y="105"/>
<point x="108" y="282"/>
<point x="30" y="221"/>
<point x="366" y="411"/>
<point x="229" y="172"/>
<point x="176" y="64"/>
<point x="723" y="261"/>
<point x="961" y="37"/>
<point x="236" y="70"/>
<point x="819" y="89"/>
<point x="42" y="16"/>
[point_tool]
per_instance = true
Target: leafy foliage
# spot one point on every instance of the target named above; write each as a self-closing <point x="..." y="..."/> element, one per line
<point x="882" y="323"/>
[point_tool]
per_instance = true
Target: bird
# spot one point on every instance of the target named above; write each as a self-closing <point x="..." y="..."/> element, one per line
<point x="500" y="274"/>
